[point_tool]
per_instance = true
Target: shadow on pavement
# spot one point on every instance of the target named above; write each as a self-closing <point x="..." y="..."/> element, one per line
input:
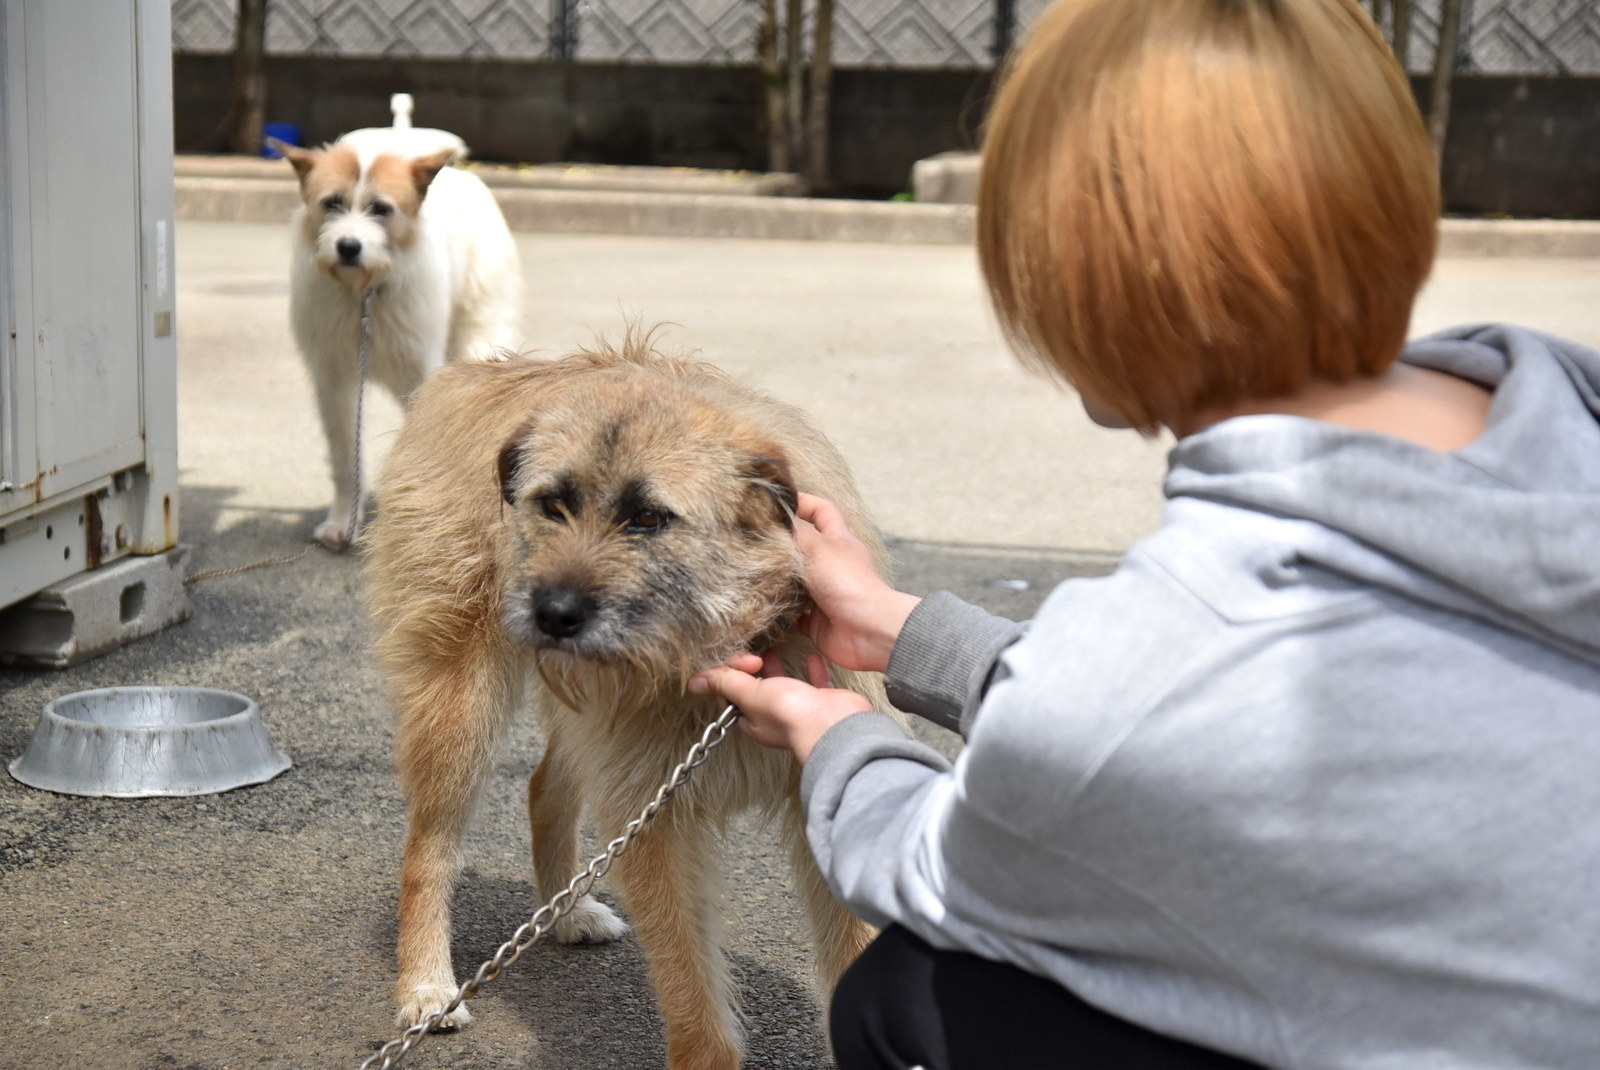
<point x="255" y="928"/>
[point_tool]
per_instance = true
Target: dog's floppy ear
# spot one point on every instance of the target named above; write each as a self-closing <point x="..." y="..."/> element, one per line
<point x="425" y="168"/>
<point x="768" y="468"/>
<point x="302" y="160"/>
<point x="509" y="466"/>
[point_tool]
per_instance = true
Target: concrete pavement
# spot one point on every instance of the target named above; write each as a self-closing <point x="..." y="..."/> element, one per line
<point x="889" y="346"/>
<point x="255" y="928"/>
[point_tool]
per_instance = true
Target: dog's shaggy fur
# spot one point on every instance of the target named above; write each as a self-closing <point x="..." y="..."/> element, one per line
<point x="587" y="532"/>
<point x="429" y="241"/>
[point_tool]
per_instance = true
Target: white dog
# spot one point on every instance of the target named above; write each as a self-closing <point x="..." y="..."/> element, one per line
<point x="385" y="212"/>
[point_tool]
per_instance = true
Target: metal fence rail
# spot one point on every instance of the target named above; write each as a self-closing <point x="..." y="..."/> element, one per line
<point x="1525" y="37"/>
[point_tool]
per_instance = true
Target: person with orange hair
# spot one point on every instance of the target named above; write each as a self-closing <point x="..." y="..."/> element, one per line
<point x="1311" y="781"/>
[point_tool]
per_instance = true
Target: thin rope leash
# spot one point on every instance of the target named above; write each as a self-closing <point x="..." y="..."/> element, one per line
<point x="546" y="916"/>
<point x="355" y="500"/>
<point x="213" y="573"/>
<point x="354" y="527"/>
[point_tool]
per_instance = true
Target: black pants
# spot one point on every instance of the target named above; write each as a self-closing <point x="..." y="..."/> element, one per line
<point x="906" y="1004"/>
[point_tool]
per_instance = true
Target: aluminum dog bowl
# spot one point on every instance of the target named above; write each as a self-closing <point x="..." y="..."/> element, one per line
<point x="136" y="741"/>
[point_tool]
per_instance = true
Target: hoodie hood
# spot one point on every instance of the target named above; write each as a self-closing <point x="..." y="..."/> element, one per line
<point x="1506" y="528"/>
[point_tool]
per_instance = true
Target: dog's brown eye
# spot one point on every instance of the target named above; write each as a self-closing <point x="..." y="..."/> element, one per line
<point x="333" y="204"/>
<point x="379" y="209"/>
<point x="551" y="506"/>
<point x="646" y="520"/>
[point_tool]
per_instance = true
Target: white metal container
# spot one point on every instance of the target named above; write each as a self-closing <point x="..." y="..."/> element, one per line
<point x="130" y="742"/>
<point x="88" y="364"/>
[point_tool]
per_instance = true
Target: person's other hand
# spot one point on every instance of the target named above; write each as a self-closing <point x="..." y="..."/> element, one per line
<point x="780" y="711"/>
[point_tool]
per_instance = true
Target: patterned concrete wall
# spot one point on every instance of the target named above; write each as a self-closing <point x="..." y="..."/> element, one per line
<point x="1523" y="37"/>
<point x="878" y="33"/>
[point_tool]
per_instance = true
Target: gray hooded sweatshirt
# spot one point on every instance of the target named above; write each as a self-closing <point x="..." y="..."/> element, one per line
<point x="1313" y="778"/>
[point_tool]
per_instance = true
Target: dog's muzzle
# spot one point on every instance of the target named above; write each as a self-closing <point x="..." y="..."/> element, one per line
<point x="349" y="250"/>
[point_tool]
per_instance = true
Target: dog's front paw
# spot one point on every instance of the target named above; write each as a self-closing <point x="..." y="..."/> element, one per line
<point x="424" y="1000"/>
<point x="589" y="922"/>
<point x="332" y="534"/>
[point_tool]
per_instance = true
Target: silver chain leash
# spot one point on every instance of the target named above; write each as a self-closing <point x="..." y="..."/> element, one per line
<point x="546" y="916"/>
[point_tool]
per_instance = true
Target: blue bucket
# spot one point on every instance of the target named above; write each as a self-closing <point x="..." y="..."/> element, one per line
<point x="289" y="133"/>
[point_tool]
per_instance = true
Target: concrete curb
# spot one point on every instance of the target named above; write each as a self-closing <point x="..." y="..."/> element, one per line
<point x="235" y="200"/>
<point x="721" y="216"/>
<point x="705" y="215"/>
<point x="708" y="215"/>
<point x="1520" y="237"/>
<point x="593" y="177"/>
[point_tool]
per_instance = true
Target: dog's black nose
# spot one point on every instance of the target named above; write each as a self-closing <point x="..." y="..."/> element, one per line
<point x="561" y="612"/>
<point x="348" y="249"/>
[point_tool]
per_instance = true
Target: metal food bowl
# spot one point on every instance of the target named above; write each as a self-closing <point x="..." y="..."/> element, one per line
<point x="130" y="742"/>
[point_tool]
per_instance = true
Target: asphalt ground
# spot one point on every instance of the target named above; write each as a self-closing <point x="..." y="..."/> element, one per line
<point x="255" y="928"/>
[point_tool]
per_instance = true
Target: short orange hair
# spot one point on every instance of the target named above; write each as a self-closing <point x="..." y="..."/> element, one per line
<point x="1190" y="203"/>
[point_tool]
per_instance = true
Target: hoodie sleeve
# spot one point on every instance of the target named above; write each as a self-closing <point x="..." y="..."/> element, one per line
<point x="886" y="788"/>
<point x="958" y="853"/>
<point x="947" y="656"/>
<point x="942" y="664"/>
<point x="902" y="794"/>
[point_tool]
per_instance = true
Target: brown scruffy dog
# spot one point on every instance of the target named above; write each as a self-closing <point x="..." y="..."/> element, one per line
<point x="588" y="532"/>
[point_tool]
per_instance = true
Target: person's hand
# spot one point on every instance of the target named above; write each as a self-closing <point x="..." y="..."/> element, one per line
<point x="858" y="616"/>
<point x="780" y="711"/>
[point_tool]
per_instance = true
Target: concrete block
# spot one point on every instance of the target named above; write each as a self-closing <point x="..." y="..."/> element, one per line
<point x="948" y="178"/>
<point x="96" y="611"/>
